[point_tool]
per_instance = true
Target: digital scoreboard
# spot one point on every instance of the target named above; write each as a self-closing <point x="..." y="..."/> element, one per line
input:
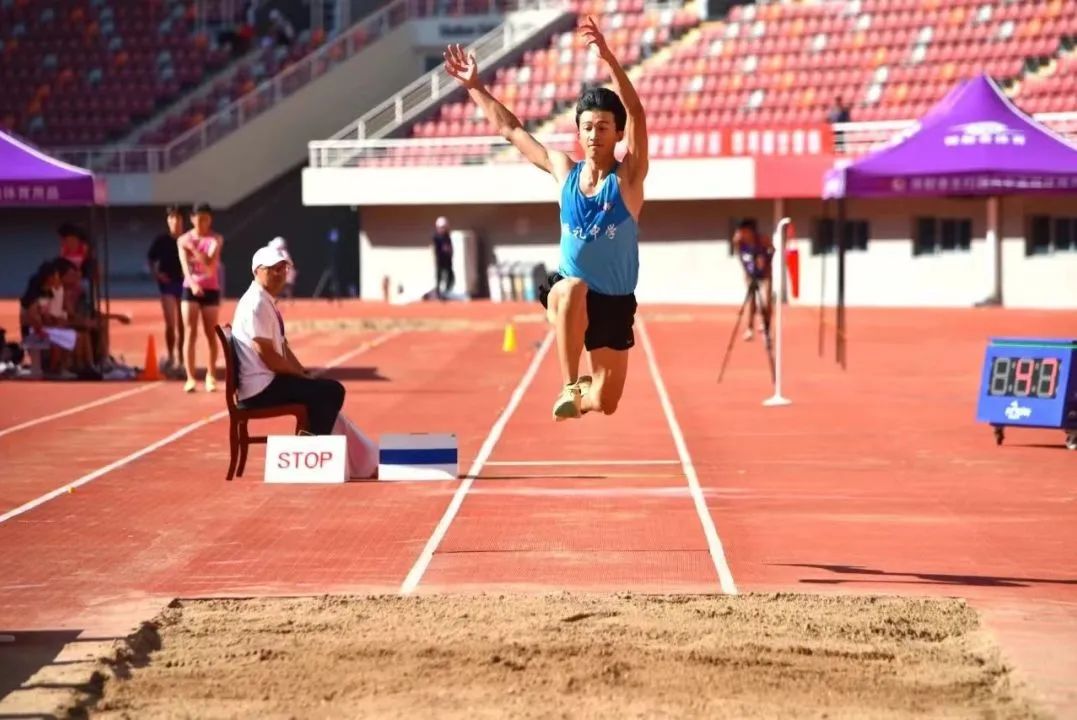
<point x="1030" y="382"/>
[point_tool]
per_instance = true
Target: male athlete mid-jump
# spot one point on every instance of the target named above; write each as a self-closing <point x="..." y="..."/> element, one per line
<point x="591" y="298"/>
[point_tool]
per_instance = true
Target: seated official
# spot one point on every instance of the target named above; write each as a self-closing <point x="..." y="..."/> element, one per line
<point x="269" y="373"/>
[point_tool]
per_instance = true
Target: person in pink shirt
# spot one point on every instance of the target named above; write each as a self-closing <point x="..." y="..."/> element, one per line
<point x="200" y="255"/>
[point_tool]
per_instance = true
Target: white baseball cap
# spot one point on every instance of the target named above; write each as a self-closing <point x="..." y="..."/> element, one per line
<point x="267" y="257"/>
<point x="278" y="242"/>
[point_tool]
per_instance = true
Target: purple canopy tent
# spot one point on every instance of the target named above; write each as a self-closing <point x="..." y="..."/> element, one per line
<point x="973" y="142"/>
<point x="30" y="178"/>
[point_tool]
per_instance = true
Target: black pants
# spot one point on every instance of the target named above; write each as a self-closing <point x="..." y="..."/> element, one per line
<point x="322" y="396"/>
<point x="446" y="278"/>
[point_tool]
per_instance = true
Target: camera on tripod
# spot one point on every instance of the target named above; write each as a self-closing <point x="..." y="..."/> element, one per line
<point x="757" y="263"/>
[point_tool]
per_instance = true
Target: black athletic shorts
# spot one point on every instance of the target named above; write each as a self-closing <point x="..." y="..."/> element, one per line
<point x="609" y="317"/>
<point x="208" y="297"/>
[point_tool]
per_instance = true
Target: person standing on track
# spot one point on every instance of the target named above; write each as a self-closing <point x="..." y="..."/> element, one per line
<point x="443" y="258"/>
<point x="200" y="254"/>
<point x="755" y="251"/>
<point x="591" y="299"/>
<point x="165" y="264"/>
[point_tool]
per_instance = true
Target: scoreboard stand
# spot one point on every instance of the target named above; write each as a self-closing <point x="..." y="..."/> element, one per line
<point x="1029" y="382"/>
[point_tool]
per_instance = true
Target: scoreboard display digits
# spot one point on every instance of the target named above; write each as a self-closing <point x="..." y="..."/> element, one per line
<point x="1024" y="377"/>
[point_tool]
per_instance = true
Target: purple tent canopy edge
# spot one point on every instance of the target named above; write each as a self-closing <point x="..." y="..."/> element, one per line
<point x="972" y="142"/>
<point x="30" y="178"/>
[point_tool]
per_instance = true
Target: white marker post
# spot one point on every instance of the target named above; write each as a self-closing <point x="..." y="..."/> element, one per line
<point x="779" y="245"/>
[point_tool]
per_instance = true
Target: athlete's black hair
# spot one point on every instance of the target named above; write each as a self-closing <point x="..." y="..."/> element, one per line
<point x="601" y="98"/>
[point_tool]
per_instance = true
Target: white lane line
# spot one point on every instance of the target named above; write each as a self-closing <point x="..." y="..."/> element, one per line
<point x="186" y="430"/>
<point x="714" y="543"/>
<point x="550" y="463"/>
<point x="415" y="575"/>
<point x="618" y="492"/>
<point x="79" y="408"/>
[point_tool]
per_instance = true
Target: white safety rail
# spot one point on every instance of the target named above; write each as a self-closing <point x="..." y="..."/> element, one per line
<point x="852" y="139"/>
<point x="376" y="152"/>
<point x="431" y="88"/>
<point x="712" y="143"/>
<point x="162" y="158"/>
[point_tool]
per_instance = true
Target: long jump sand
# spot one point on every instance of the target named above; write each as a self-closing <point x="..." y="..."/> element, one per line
<point x="570" y="656"/>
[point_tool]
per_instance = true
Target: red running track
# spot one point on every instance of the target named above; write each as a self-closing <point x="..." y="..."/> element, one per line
<point x="876" y="479"/>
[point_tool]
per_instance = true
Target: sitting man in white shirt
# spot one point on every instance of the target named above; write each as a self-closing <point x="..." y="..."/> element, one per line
<point x="269" y="373"/>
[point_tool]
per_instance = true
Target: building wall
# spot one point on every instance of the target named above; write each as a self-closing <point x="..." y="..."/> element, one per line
<point x="685" y="251"/>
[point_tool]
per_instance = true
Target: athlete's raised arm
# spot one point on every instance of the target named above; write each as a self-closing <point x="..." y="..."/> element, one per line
<point x="464" y="68"/>
<point x="636" y="159"/>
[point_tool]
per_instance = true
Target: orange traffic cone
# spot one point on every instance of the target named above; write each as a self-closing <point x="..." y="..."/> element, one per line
<point x="150" y="371"/>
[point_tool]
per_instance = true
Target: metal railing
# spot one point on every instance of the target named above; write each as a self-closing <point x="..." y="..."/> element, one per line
<point x="162" y="158"/>
<point x="849" y="139"/>
<point x="487" y="149"/>
<point x="429" y="88"/>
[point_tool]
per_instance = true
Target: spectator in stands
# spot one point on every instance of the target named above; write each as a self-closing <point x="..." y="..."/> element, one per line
<point x="200" y="253"/>
<point x="839" y="113"/>
<point x="754" y="251"/>
<point x="281" y="244"/>
<point x="283" y="31"/>
<point x="268" y="372"/>
<point x="444" y="276"/>
<point x="165" y="265"/>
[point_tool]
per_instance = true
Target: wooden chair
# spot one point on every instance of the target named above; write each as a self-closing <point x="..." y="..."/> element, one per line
<point x="239" y="440"/>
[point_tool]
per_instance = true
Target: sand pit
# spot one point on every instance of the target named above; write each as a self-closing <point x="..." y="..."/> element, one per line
<point x="571" y="656"/>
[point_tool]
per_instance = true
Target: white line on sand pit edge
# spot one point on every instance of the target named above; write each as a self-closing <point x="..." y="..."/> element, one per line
<point x="415" y="575"/>
<point x="186" y="430"/>
<point x="550" y="463"/>
<point x="79" y="408"/>
<point x="714" y="543"/>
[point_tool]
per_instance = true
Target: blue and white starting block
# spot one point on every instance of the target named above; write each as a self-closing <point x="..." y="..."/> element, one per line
<point x="418" y="456"/>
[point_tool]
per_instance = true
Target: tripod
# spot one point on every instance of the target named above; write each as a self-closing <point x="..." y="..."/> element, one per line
<point x="329" y="274"/>
<point x="764" y="309"/>
<point x="329" y="277"/>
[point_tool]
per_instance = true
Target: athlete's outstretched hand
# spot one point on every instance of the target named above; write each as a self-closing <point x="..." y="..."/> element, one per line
<point x="462" y="66"/>
<point x="589" y="30"/>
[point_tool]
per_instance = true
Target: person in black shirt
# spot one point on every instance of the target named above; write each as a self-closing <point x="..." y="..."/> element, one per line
<point x="165" y="264"/>
<point x="444" y="277"/>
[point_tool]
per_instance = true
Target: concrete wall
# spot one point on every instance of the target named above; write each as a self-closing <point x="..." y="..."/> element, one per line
<point x="685" y="251"/>
<point x="276" y="141"/>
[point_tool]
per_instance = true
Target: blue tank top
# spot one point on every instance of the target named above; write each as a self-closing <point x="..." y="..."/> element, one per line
<point x="599" y="237"/>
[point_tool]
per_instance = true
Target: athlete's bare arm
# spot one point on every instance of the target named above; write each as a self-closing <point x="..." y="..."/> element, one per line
<point x="636" y="162"/>
<point x="465" y="69"/>
<point x="184" y="246"/>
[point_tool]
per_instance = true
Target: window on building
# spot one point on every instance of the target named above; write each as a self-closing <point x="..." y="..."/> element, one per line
<point x="1050" y="233"/>
<point x="933" y="235"/>
<point x="824" y="240"/>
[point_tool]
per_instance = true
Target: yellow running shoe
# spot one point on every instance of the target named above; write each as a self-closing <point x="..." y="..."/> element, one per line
<point x="568" y="403"/>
